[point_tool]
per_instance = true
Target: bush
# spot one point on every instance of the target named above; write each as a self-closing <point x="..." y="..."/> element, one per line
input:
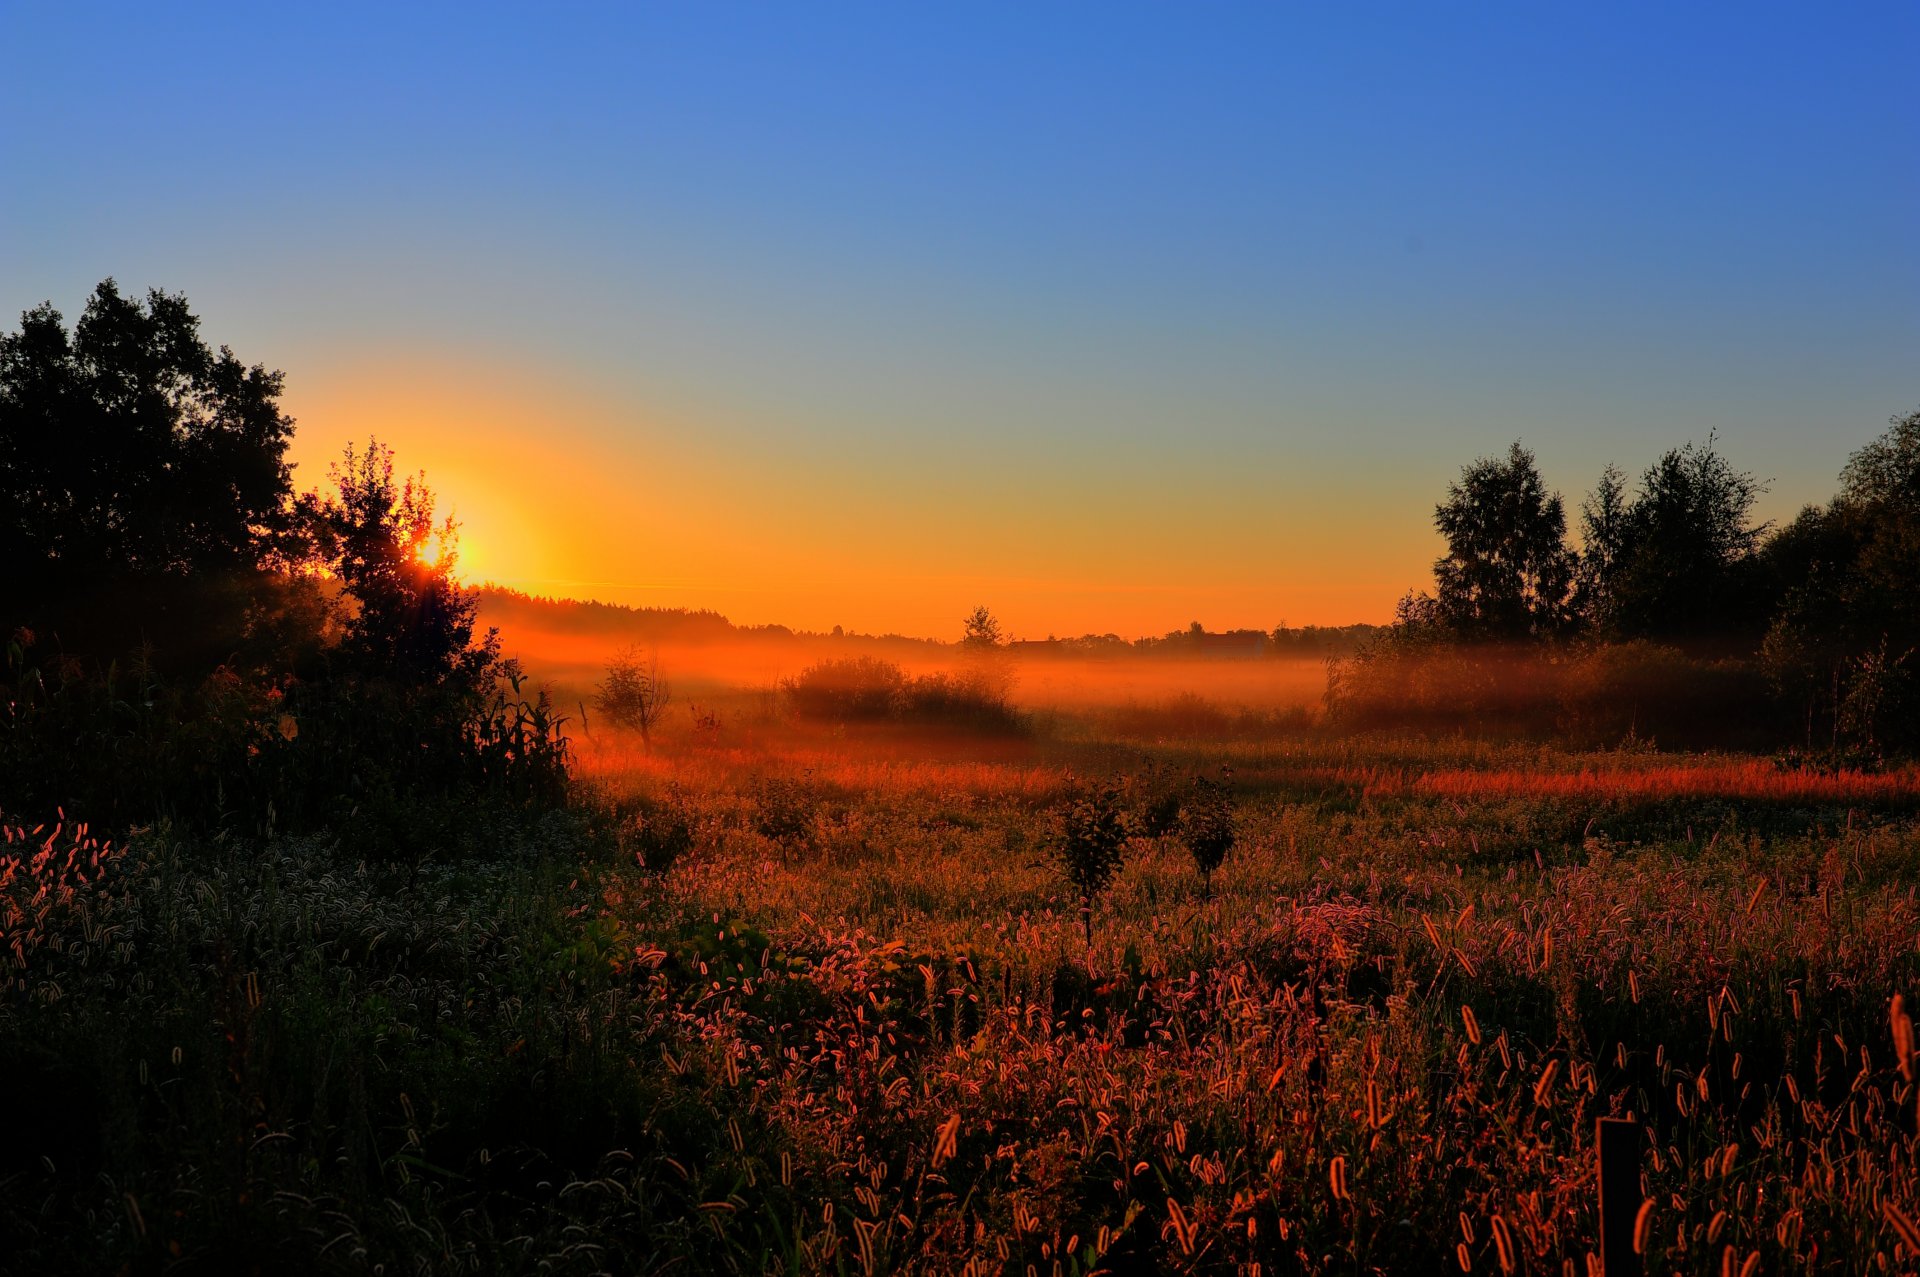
<point x="1206" y="824"/>
<point x="865" y="688"/>
<point x="855" y="687"/>
<point x="1092" y="830"/>
<point x="407" y="764"/>
<point x="970" y="699"/>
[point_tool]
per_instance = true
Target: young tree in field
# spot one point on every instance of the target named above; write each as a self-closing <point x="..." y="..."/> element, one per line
<point x="633" y="695"/>
<point x="411" y="619"/>
<point x="1507" y="573"/>
<point x="1206" y="825"/>
<point x="1093" y="833"/>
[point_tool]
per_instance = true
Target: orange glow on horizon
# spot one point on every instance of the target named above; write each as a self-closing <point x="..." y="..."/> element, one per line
<point x="563" y="493"/>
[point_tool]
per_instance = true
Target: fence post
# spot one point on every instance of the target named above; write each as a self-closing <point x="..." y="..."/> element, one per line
<point x="1618" y="1145"/>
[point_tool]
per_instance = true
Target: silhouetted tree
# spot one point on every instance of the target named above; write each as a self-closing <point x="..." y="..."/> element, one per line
<point x="131" y="451"/>
<point x="1847" y="580"/>
<point x="1879" y="506"/>
<point x="409" y="619"/>
<point x="1206" y="824"/>
<point x="1603" y="542"/>
<point x="1507" y="573"/>
<point x="633" y="695"/>
<point x="1682" y="567"/>
<point x="981" y="629"/>
<point x="989" y="669"/>
<point x="1093" y="832"/>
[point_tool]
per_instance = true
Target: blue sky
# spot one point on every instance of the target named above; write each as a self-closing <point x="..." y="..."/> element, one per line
<point x="1127" y="311"/>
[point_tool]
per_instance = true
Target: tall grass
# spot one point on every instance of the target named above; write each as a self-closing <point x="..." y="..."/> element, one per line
<point x="792" y="1001"/>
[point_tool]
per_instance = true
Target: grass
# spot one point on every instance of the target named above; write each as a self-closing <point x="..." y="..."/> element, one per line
<point x="854" y="1024"/>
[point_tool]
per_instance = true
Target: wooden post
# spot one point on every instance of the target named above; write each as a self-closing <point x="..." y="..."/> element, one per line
<point x="1618" y="1144"/>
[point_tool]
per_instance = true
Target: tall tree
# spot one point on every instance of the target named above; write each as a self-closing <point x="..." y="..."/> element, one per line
<point x="1846" y="578"/>
<point x="1879" y="501"/>
<point x="1603" y="536"/>
<point x="410" y="618"/>
<point x="1507" y="573"/>
<point x="1684" y="563"/>
<point x="129" y="449"/>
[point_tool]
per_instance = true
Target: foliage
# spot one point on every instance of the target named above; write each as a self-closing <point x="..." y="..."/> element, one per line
<point x="1379" y="1044"/>
<point x="1093" y="826"/>
<point x="633" y="695"/>
<point x="410" y="620"/>
<point x="1507" y="573"/>
<point x="854" y="687"/>
<point x="1206" y="823"/>
<point x="402" y="767"/>
<point x="1589" y="694"/>
<point x="128" y="449"/>
<point x="1878" y="707"/>
<point x="1603" y="549"/>
<point x="869" y="689"/>
<point x="981" y="629"/>
<point x="1682" y="565"/>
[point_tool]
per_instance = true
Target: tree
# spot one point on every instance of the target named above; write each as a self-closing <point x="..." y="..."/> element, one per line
<point x="1206" y="824"/>
<point x="981" y="630"/>
<point x="633" y="695"/>
<point x="410" y="619"/>
<point x="985" y="648"/>
<point x="1684" y="559"/>
<point x="1846" y="580"/>
<point x="1603" y="533"/>
<point x="1507" y="573"/>
<point x="1879" y="504"/>
<point x="1093" y="833"/>
<point x="130" y="451"/>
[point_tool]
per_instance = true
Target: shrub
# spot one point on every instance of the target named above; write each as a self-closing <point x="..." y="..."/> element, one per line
<point x="1093" y="828"/>
<point x="1206" y="824"/>
<point x="865" y="688"/>
<point x="855" y="687"/>
<point x="970" y="699"/>
<point x="407" y="762"/>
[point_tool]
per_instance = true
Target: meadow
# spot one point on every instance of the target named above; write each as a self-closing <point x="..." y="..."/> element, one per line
<point x="786" y="995"/>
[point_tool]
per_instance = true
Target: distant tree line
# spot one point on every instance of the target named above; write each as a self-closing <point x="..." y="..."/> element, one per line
<point x="1826" y="608"/>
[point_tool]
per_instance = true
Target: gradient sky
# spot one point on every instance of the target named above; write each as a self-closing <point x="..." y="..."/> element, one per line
<point x="1110" y="316"/>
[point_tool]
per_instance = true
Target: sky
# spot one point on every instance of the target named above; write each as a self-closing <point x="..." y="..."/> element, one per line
<point x="1109" y="316"/>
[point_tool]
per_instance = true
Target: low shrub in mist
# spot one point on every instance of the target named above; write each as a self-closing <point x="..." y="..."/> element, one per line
<point x="854" y="687"/>
<point x="868" y="689"/>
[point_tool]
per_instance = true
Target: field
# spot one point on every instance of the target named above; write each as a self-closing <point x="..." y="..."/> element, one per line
<point x="789" y="996"/>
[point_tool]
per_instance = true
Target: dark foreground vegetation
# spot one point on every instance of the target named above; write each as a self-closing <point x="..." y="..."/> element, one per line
<point x="328" y="949"/>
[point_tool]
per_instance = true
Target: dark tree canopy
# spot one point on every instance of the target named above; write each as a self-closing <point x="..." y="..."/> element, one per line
<point x="129" y="449"/>
<point x="1847" y="579"/>
<point x="411" y="620"/>
<point x="1680" y="568"/>
<point x="1507" y="573"/>
<point x="1879" y="506"/>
